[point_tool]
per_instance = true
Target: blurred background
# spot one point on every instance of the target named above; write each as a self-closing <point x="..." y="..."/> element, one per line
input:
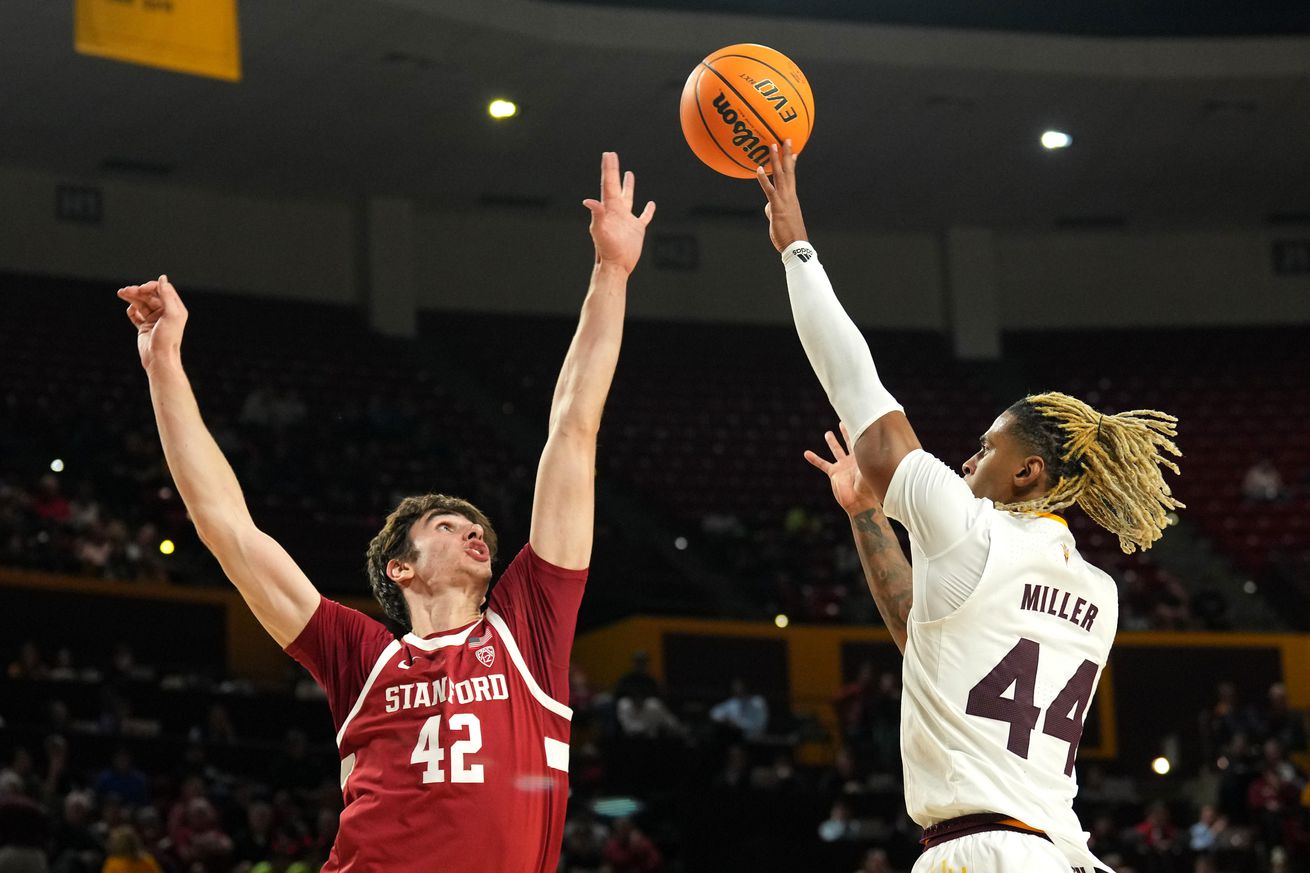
<point x="1111" y="200"/>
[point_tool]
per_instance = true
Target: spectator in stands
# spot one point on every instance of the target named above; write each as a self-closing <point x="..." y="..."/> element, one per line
<point x="49" y="503"/>
<point x="638" y="680"/>
<point x="21" y="770"/>
<point x="747" y="713"/>
<point x="630" y="851"/>
<point x="736" y="772"/>
<point x="1274" y="795"/>
<point x="126" y="854"/>
<point x="841" y="824"/>
<point x="254" y="842"/>
<point x="855" y="703"/>
<point x="296" y="770"/>
<point x="876" y="861"/>
<point x="1203" y="836"/>
<point x="24" y="830"/>
<point x="75" y="848"/>
<point x="1279" y="722"/>
<point x="29" y="664"/>
<point x="1223" y="720"/>
<point x="1157" y="835"/>
<point x="198" y="837"/>
<point x="585" y="839"/>
<point x="217" y="729"/>
<point x="123" y="780"/>
<point x="646" y="717"/>
<point x="1263" y="483"/>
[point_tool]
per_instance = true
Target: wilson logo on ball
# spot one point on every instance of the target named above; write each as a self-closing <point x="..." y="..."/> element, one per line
<point x="739" y="101"/>
<point x="742" y="136"/>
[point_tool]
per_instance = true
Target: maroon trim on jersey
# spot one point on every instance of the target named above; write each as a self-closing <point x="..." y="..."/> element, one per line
<point x="978" y="823"/>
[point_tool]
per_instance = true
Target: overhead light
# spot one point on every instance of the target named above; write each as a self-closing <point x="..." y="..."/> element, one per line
<point x="500" y="108"/>
<point x="781" y="620"/>
<point x="166" y="547"/>
<point x="57" y="465"/>
<point x="1160" y="766"/>
<point x="1056" y="139"/>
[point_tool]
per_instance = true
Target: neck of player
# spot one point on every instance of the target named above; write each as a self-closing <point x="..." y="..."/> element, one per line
<point x="445" y="610"/>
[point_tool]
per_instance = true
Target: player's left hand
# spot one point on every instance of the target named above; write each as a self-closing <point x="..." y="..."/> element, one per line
<point x="786" y="224"/>
<point x="617" y="233"/>
<point x="849" y="488"/>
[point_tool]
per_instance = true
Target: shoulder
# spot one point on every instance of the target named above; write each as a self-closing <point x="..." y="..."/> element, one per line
<point x="335" y="622"/>
<point x="528" y="566"/>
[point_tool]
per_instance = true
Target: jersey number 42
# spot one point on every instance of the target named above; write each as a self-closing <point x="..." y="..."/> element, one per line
<point x="428" y="750"/>
<point x="1064" y="717"/>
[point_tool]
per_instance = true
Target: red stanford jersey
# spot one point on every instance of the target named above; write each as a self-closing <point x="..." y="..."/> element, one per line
<point x="454" y="748"/>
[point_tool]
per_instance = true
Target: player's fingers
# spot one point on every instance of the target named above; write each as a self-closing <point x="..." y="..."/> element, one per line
<point x="134" y="316"/>
<point x="648" y="213"/>
<point x="609" y="177"/>
<point x="837" y="451"/>
<point x="168" y="295"/>
<point x="846" y="436"/>
<point x="596" y="207"/>
<point x="775" y="164"/>
<point x="629" y="187"/>
<point x="816" y="461"/>
<point x="762" y="176"/>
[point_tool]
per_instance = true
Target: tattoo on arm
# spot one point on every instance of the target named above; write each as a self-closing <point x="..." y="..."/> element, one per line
<point x="886" y="570"/>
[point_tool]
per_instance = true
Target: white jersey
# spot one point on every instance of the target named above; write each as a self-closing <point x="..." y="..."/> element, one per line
<point x="1008" y="635"/>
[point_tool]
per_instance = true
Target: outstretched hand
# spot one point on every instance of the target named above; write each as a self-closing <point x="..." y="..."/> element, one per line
<point x="156" y="310"/>
<point x="849" y="488"/>
<point x="786" y="225"/>
<point x="617" y="233"/>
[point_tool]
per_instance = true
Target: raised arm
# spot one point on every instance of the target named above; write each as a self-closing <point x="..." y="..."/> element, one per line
<point x="836" y="348"/>
<point x="563" y="507"/>
<point x="886" y="570"/>
<point x="276" y="590"/>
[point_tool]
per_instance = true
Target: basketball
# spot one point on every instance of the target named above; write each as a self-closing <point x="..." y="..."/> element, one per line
<point x="739" y="101"/>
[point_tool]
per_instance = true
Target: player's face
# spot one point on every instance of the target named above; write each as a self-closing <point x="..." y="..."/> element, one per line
<point x="450" y="545"/>
<point x="990" y="472"/>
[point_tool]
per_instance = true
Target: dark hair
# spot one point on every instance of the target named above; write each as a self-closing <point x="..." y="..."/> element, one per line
<point x="1044" y="436"/>
<point x="392" y="543"/>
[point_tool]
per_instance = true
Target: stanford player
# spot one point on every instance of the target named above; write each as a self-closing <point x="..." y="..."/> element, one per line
<point x="1004" y="626"/>
<point x="454" y="738"/>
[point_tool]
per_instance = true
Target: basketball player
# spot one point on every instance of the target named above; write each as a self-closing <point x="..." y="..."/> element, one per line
<point x="453" y="738"/>
<point x="1009" y="628"/>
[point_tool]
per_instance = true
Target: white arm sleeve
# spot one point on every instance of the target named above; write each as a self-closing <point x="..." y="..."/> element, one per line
<point x="949" y="536"/>
<point x="836" y="348"/>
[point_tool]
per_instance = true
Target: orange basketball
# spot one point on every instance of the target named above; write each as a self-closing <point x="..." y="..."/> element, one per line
<point x="739" y="101"/>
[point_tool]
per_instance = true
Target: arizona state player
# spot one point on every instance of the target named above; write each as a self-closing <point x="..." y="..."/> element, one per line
<point x="1007" y="628"/>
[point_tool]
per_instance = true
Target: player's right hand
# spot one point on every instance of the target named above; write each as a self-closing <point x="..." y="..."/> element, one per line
<point x="159" y="316"/>
<point x="849" y="488"/>
<point x="786" y="224"/>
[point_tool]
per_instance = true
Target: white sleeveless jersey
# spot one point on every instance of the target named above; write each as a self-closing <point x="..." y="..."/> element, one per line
<point x="997" y="687"/>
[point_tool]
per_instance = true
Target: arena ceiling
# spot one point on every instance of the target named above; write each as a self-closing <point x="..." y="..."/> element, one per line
<point x="916" y="126"/>
<point x="1072" y="17"/>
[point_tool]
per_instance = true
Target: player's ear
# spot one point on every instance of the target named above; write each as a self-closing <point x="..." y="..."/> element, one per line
<point x="400" y="572"/>
<point x="1031" y="473"/>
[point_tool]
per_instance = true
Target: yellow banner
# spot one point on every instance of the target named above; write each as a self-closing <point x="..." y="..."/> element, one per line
<point x="187" y="36"/>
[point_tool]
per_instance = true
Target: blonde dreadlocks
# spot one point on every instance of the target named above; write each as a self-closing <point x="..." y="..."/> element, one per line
<point x="1107" y="464"/>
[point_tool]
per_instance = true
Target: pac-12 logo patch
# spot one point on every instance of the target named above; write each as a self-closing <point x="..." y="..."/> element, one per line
<point x="487" y="655"/>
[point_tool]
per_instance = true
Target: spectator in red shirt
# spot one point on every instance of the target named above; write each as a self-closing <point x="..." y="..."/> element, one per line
<point x="631" y="851"/>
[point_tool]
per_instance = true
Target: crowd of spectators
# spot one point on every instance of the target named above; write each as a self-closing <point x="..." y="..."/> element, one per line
<point x="120" y="785"/>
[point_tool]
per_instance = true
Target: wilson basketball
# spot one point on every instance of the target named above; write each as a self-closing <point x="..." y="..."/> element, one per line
<point x="739" y="101"/>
